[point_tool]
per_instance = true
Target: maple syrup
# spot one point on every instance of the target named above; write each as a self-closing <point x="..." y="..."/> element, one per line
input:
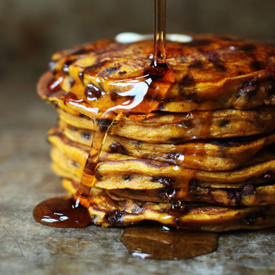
<point x="137" y="97"/>
<point x="62" y="212"/>
<point x="159" y="33"/>
<point x="162" y="243"/>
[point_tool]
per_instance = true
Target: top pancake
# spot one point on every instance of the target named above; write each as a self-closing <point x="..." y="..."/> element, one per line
<point x="210" y="72"/>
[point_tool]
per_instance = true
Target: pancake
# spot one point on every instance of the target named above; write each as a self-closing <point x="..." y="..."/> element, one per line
<point x="106" y="211"/>
<point x="141" y="174"/>
<point x="249" y="195"/>
<point x="177" y="128"/>
<point x="210" y="72"/>
<point x="258" y="191"/>
<point x="226" y="154"/>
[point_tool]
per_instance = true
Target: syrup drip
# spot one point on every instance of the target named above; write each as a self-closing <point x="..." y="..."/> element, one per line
<point x="165" y="244"/>
<point x="138" y="91"/>
<point x="89" y="173"/>
<point x="139" y="97"/>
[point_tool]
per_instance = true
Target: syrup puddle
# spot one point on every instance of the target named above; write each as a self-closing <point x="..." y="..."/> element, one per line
<point x="62" y="212"/>
<point x="160" y="244"/>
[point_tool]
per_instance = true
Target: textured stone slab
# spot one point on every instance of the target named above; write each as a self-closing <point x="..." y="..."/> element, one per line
<point x="30" y="248"/>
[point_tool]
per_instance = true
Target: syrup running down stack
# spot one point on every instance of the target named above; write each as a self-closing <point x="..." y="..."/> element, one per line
<point x="184" y="138"/>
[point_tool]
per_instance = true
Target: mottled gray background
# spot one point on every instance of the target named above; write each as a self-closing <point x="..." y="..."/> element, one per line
<point x="30" y="30"/>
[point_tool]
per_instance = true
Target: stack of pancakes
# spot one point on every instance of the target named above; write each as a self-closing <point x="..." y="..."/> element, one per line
<point x="201" y="158"/>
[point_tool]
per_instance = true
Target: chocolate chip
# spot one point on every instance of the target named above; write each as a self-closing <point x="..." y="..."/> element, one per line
<point x="196" y="65"/>
<point x="248" y="89"/>
<point x="175" y="156"/>
<point x="257" y="65"/>
<point x="127" y="177"/>
<point x="170" y="193"/>
<point x="82" y="115"/>
<point x="86" y="135"/>
<point x="111" y="70"/>
<point x="98" y="176"/>
<point x="122" y="72"/>
<point x="103" y="124"/>
<point x="214" y="58"/>
<point x="268" y="176"/>
<point x="187" y="80"/>
<point x="113" y="96"/>
<point x="114" y="217"/>
<point x="74" y="163"/>
<point x="93" y="93"/>
<point x="161" y="106"/>
<point x="163" y="180"/>
<point x="224" y="122"/>
<point x="81" y="76"/>
<point x="116" y="147"/>
<point x="248" y="189"/>
<point x="178" y="205"/>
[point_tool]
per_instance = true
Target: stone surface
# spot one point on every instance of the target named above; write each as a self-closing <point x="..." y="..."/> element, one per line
<point x="27" y="247"/>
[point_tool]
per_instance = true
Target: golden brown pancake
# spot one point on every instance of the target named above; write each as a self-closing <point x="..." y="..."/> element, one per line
<point x="107" y="211"/>
<point x="142" y="174"/>
<point x="226" y="154"/>
<point x="178" y="128"/>
<point x="210" y="72"/>
<point x="253" y="192"/>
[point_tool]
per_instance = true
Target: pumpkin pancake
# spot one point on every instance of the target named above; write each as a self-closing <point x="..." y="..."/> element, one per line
<point x="142" y="174"/>
<point x="210" y="72"/>
<point x="248" y="193"/>
<point x="107" y="211"/>
<point x="178" y="128"/>
<point x="219" y="154"/>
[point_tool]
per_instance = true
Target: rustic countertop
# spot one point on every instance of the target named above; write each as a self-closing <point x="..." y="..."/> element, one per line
<point x="27" y="247"/>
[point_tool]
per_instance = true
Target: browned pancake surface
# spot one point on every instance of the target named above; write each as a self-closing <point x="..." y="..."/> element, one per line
<point x="210" y="72"/>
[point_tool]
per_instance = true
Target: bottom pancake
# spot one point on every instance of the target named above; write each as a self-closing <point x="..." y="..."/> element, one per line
<point x="107" y="211"/>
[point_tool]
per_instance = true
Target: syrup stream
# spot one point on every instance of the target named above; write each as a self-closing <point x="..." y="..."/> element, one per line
<point x="159" y="33"/>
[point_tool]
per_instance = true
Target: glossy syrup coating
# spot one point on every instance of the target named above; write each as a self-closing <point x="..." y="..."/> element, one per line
<point x="209" y="72"/>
